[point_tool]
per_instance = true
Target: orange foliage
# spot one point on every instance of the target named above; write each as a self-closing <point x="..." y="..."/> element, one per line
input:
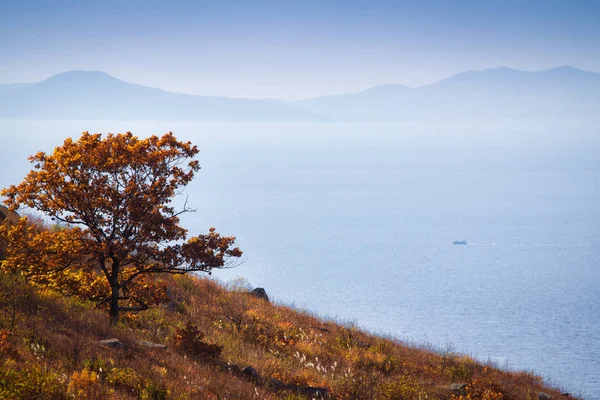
<point x="53" y="258"/>
<point x="115" y="195"/>
<point x="85" y="385"/>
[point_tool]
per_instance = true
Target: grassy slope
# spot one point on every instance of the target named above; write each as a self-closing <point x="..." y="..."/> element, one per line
<point x="50" y="351"/>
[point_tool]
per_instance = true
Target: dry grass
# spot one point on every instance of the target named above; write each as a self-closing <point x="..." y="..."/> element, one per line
<point x="49" y="350"/>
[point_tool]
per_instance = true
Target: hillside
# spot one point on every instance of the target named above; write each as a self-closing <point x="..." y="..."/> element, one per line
<point x="50" y="348"/>
<point x="95" y="95"/>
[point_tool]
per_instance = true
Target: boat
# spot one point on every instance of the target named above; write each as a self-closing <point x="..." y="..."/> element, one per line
<point x="459" y="241"/>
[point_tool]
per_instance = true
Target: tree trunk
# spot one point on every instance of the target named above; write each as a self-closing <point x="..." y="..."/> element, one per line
<point x="114" y="303"/>
<point x="115" y="290"/>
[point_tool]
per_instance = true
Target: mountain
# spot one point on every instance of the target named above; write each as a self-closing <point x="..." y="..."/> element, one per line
<point x="96" y="95"/>
<point x="494" y="93"/>
<point x="500" y="92"/>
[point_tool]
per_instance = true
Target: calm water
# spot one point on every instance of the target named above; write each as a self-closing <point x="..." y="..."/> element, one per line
<point x="356" y="222"/>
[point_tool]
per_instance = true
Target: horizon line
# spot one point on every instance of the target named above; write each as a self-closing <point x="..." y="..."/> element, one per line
<point x="565" y="66"/>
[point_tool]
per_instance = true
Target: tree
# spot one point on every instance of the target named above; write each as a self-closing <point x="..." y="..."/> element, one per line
<point x="114" y="194"/>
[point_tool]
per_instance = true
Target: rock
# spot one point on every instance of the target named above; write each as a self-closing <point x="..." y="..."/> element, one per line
<point x="113" y="343"/>
<point x="260" y="293"/>
<point x="458" y="388"/>
<point x="544" y="396"/>
<point x="276" y="384"/>
<point x="150" y="344"/>
<point x="566" y="394"/>
<point x="251" y="374"/>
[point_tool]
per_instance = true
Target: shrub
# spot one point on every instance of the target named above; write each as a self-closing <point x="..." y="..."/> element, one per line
<point x="458" y="373"/>
<point x="17" y="299"/>
<point x="98" y="366"/>
<point x="30" y="382"/>
<point x="479" y="390"/>
<point x="189" y="340"/>
<point x="126" y="378"/>
<point x="85" y="385"/>
<point x="353" y="385"/>
<point x="157" y="391"/>
<point x="405" y="388"/>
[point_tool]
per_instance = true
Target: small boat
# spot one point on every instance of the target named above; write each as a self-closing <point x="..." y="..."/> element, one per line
<point x="459" y="241"/>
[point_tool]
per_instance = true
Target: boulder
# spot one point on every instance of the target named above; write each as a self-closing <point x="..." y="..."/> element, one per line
<point x="458" y="388"/>
<point x="544" y="396"/>
<point x="112" y="343"/>
<point x="276" y="384"/>
<point x="150" y="344"/>
<point x="260" y="293"/>
<point x="251" y="374"/>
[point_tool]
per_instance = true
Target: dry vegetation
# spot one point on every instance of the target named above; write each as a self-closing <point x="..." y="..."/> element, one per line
<point x="49" y="350"/>
<point x="188" y="338"/>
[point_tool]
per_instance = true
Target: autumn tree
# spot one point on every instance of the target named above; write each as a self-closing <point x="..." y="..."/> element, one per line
<point x="114" y="196"/>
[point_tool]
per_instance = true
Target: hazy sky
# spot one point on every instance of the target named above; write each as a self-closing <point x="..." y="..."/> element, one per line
<point x="292" y="49"/>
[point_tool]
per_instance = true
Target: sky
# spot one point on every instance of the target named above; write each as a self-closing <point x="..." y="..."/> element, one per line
<point x="290" y="49"/>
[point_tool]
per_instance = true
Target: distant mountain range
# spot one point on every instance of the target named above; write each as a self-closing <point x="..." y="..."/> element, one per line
<point x="96" y="95"/>
<point x="488" y="94"/>
<point x="493" y="93"/>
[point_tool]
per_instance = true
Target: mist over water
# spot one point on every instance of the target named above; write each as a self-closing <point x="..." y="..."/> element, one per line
<point x="355" y="221"/>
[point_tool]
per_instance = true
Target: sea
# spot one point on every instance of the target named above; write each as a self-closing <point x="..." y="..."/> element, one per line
<point x="355" y="222"/>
